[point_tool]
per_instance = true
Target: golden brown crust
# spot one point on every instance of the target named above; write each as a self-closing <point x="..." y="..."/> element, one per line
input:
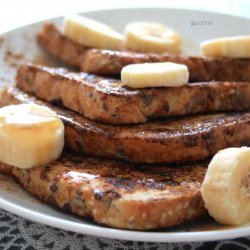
<point x="200" y="68"/>
<point x="117" y="194"/>
<point x="102" y="99"/>
<point x="61" y="47"/>
<point x="184" y="139"/>
<point x="111" y="62"/>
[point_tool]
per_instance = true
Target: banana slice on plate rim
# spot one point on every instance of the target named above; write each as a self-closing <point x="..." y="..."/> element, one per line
<point x="226" y="187"/>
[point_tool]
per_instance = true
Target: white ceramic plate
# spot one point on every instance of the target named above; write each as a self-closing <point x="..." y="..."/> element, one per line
<point x="19" y="45"/>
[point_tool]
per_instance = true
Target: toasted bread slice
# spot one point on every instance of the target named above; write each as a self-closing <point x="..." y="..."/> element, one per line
<point x="103" y="99"/>
<point x="180" y="140"/>
<point x="111" y="62"/>
<point x="117" y="194"/>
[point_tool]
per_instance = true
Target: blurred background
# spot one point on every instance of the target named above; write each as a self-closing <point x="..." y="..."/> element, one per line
<point x="15" y="13"/>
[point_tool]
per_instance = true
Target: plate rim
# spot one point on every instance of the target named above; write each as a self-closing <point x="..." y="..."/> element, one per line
<point x="127" y="8"/>
<point x="121" y="234"/>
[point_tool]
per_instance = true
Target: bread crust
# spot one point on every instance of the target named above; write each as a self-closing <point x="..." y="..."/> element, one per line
<point x="117" y="194"/>
<point x="105" y="100"/>
<point x="111" y="62"/>
<point x="171" y="140"/>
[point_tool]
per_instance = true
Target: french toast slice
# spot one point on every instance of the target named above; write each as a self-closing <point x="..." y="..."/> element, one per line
<point x="105" y="100"/>
<point x="170" y="140"/>
<point x="109" y="62"/>
<point x="117" y="194"/>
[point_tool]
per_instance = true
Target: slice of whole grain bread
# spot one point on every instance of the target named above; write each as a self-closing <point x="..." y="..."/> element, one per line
<point x="109" y="62"/>
<point x="170" y="140"/>
<point x="120" y="195"/>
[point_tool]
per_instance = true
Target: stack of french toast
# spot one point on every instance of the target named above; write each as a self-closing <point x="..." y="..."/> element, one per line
<point x="134" y="158"/>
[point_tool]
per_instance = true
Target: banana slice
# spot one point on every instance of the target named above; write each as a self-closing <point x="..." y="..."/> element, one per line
<point x="30" y="135"/>
<point x="91" y="33"/>
<point x="226" y="187"/>
<point x="235" y="47"/>
<point x="152" y="37"/>
<point x="154" y="75"/>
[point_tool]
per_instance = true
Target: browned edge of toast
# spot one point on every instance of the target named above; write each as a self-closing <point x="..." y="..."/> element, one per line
<point x="117" y="194"/>
<point x="103" y="99"/>
<point x="111" y="62"/>
<point x="170" y="140"/>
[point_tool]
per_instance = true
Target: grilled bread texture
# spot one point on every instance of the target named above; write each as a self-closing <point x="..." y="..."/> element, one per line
<point x="109" y="62"/>
<point x="105" y="100"/>
<point x="171" y="140"/>
<point x="117" y="194"/>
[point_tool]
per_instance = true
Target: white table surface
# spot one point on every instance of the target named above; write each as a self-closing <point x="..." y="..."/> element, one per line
<point x="14" y="13"/>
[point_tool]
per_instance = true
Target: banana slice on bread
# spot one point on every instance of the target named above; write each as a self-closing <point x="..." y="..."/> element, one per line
<point x="235" y="47"/>
<point x="154" y="75"/>
<point x="91" y="33"/>
<point x="226" y="187"/>
<point x="152" y="37"/>
<point x="30" y="135"/>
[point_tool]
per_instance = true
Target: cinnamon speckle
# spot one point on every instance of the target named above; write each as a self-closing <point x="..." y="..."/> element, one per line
<point x="12" y="59"/>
